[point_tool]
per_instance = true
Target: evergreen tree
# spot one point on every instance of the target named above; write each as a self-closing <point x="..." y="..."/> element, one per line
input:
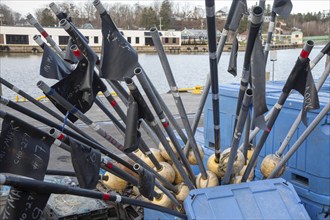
<point x="148" y="18"/>
<point x="166" y="15"/>
<point x="46" y="17"/>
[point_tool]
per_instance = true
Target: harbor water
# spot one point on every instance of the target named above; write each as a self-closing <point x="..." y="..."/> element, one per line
<point x="189" y="70"/>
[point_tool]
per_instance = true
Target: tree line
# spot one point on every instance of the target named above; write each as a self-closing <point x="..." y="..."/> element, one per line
<point x="162" y="14"/>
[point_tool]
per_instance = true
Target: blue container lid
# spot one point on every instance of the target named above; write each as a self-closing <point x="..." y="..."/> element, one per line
<point x="265" y="199"/>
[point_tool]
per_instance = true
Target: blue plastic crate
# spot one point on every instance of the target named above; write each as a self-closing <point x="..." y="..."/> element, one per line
<point x="267" y="199"/>
<point x="308" y="169"/>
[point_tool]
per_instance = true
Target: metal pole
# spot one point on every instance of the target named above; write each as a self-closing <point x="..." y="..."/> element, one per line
<point x="298" y="119"/>
<point x="273" y="71"/>
<point x="300" y="140"/>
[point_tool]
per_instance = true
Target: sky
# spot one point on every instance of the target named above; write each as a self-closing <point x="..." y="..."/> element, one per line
<point x="303" y="6"/>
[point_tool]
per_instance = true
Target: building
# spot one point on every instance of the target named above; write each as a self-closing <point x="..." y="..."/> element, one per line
<point x="11" y="36"/>
<point x="195" y="36"/>
<point x="297" y="37"/>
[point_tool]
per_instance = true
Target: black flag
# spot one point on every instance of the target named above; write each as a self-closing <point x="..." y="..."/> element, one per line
<point x="282" y="7"/>
<point x="301" y="79"/>
<point x="24" y="150"/>
<point x="311" y="99"/>
<point x="52" y="66"/>
<point x="132" y="134"/>
<point x="70" y="89"/>
<point x="86" y="162"/>
<point x="119" y="59"/>
<point x="258" y="84"/>
<point x="146" y="183"/>
<point x="232" y="66"/>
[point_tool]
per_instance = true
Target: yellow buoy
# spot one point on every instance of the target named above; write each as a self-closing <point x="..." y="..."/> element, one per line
<point x="114" y="182"/>
<point x="183" y="192"/>
<point x="138" y="153"/>
<point x="163" y="200"/>
<point x="238" y="163"/>
<point x="249" y="153"/>
<point x="156" y="153"/>
<point x="164" y="152"/>
<point x="178" y="178"/>
<point x="210" y="181"/>
<point x="269" y="163"/>
<point x="167" y="171"/>
<point x="212" y="165"/>
<point x="191" y="156"/>
<point x="251" y="175"/>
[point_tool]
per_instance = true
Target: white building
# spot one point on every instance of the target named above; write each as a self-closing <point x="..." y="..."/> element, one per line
<point x="10" y="35"/>
<point x="297" y="37"/>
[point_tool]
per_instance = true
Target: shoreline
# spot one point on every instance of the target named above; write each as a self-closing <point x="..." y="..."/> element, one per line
<point x="197" y="48"/>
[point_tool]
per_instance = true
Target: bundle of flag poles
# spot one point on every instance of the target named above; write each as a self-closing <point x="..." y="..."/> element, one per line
<point x="161" y="174"/>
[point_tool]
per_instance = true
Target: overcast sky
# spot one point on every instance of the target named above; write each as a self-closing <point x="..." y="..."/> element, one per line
<point x="302" y="6"/>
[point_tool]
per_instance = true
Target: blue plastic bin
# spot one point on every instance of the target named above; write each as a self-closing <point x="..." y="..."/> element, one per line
<point x="267" y="199"/>
<point x="309" y="169"/>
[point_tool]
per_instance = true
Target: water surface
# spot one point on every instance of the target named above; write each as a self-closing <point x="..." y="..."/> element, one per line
<point x="189" y="70"/>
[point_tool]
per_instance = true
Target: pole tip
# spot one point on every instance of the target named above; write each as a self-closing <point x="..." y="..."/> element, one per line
<point x="153" y="29"/>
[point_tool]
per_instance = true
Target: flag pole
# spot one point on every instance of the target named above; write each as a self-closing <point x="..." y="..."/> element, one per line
<point x="141" y="75"/>
<point x="150" y="118"/>
<point x="313" y="63"/>
<point x="256" y="22"/>
<point x="49" y="188"/>
<point x="178" y="100"/>
<point x="237" y="134"/>
<point x="66" y="131"/>
<point x="231" y="25"/>
<point x="292" y="79"/>
<point x="300" y="140"/>
<point x="296" y="123"/>
<point x="69" y="107"/>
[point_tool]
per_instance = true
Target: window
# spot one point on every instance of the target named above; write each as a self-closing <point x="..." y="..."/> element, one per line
<point x="129" y="39"/>
<point x="137" y="40"/>
<point x="96" y="40"/>
<point x="148" y="41"/>
<point x="166" y="40"/>
<point x="297" y="36"/>
<point x="174" y="40"/>
<point x="63" y="40"/>
<point x="17" y="39"/>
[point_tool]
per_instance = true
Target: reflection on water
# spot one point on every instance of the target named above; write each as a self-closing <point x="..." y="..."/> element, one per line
<point x="189" y="70"/>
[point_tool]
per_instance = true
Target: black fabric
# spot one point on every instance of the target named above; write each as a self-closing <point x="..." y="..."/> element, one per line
<point x="52" y="66"/>
<point x="70" y="88"/>
<point x="86" y="162"/>
<point x="311" y="99"/>
<point x="24" y="150"/>
<point x="147" y="184"/>
<point x="24" y="205"/>
<point x="87" y="78"/>
<point x="232" y="66"/>
<point x="297" y="77"/>
<point x="258" y="84"/>
<point x="132" y="134"/>
<point x="119" y="59"/>
<point x="282" y="7"/>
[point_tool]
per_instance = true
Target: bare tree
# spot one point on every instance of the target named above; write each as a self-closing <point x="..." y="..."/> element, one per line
<point x="7" y="15"/>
